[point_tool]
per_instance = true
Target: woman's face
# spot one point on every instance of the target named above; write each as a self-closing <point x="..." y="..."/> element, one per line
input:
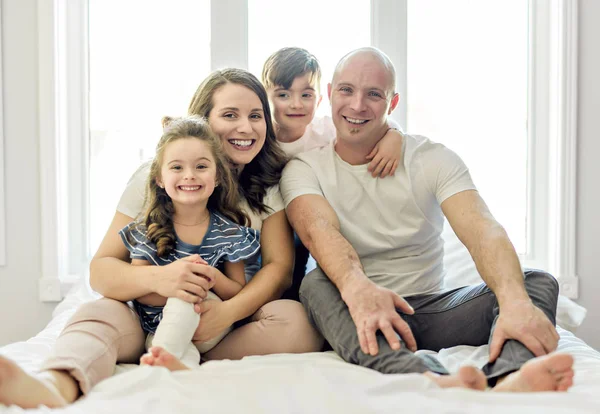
<point x="238" y="119"/>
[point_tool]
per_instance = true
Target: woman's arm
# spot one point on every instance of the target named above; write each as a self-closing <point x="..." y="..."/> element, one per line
<point x="113" y="276"/>
<point x="269" y="283"/>
<point x="275" y="276"/>
<point x="153" y="299"/>
<point x="229" y="284"/>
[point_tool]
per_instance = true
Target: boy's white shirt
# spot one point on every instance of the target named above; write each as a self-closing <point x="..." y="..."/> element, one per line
<point x="319" y="133"/>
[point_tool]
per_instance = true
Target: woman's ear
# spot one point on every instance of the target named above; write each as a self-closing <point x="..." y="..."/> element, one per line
<point x="159" y="183"/>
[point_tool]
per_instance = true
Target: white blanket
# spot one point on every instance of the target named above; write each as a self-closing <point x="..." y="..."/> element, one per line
<point x="309" y="383"/>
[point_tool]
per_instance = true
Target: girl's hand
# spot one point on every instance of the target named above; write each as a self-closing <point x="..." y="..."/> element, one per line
<point x="386" y="154"/>
<point x="184" y="279"/>
<point x="210" y="273"/>
<point x="216" y="317"/>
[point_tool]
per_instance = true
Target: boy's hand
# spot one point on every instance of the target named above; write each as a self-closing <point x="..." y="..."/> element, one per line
<point x="386" y="154"/>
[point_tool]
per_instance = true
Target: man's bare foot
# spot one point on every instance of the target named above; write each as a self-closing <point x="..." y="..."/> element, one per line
<point x="553" y="372"/>
<point x="467" y="377"/>
<point x="158" y="357"/>
<point x="21" y="389"/>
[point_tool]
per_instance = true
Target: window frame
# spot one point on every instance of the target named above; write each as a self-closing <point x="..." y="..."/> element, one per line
<point x="2" y="188"/>
<point x="64" y="126"/>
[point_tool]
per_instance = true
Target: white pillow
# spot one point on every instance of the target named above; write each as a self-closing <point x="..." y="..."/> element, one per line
<point x="461" y="271"/>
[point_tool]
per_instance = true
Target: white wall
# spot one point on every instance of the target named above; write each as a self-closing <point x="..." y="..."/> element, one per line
<point x="588" y="171"/>
<point x="21" y="314"/>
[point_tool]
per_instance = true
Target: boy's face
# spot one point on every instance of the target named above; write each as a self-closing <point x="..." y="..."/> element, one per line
<point x="294" y="108"/>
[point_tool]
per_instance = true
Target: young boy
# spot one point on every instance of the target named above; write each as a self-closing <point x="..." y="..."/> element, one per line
<point x="292" y="77"/>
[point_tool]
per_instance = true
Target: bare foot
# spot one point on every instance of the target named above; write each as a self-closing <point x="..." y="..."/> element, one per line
<point x="553" y="372"/>
<point x="467" y="377"/>
<point x="158" y="357"/>
<point x="21" y="389"/>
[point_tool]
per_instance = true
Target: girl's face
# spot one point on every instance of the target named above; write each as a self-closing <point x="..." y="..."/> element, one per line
<point x="188" y="171"/>
<point x="238" y="118"/>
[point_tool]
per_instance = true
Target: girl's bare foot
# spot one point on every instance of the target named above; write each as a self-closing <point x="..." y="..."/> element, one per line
<point x="467" y="377"/>
<point x="553" y="372"/>
<point x="158" y="357"/>
<point x="26" y="391"/>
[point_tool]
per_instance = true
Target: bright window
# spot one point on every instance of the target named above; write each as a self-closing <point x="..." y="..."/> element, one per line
<point x="467" y="88"/>
<point x="496" y="81"/>
<point x="314" y="25"/>
<point x="144" y="64"/>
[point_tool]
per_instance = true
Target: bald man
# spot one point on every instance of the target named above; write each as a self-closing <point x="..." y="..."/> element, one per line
<point x="378" y="294"/>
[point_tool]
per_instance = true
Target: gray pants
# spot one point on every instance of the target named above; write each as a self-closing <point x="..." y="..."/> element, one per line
<point x="463" y="316"/>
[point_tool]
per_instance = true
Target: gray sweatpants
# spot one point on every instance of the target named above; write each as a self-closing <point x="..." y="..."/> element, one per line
<point x="463" y="316"/>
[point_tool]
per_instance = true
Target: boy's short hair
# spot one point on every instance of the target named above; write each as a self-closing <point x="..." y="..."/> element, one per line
<point x="285" y="65"/>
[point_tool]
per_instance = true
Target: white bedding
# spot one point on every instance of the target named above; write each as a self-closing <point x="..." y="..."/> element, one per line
<point x="318" y="382"/>
<point x="309" y="383"/>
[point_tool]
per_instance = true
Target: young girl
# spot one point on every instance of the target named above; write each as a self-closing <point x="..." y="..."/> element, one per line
<point x="191" y="211"/>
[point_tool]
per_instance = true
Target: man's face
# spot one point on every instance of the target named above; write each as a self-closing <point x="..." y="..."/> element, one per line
<point x="361" y="100"/>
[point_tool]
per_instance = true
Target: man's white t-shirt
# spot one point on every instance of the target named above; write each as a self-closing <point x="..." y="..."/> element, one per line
<point x="394" y="223"/>
<point x="132" y="199"/>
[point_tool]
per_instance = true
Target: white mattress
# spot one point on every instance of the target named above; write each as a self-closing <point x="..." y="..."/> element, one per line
<point x="308" y="383"/>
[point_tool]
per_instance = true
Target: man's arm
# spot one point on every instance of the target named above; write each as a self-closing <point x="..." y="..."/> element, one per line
<point x="318" y="227"/>
<point x="372" y="308"/>
<point x="498" y="264"/>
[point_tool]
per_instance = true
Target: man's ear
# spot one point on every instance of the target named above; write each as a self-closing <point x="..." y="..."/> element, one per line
<point x="394" y="103"/>
<point x="329" y="91"/>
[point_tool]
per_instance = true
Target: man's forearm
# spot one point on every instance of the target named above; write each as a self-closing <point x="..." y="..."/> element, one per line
<point x="498" y="264"/>
<point x="335" y="255"/>
<point x="119" y="280"/>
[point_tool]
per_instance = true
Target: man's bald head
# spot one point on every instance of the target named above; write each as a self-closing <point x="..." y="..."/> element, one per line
<point x="374" y="53"/>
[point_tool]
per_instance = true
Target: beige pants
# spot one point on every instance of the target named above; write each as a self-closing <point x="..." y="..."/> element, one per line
<point x="105" y="332"/>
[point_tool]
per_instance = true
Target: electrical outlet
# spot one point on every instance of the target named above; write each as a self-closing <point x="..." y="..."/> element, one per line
<point x="49" y="290"/>
<point x="569" y="287"/>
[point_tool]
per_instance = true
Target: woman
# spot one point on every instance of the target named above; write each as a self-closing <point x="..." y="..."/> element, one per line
<point x="105" y="332"/>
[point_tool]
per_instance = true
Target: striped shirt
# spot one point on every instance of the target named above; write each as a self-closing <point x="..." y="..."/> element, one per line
<point x="224" y="241"/>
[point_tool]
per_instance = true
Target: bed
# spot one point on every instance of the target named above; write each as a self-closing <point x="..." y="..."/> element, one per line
<point x="316" y="382"/>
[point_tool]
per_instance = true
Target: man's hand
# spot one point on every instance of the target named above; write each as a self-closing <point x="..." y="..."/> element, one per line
<point x="184" y="279"/>
<point x="374" y="308"/>
<point x="523" y="321"/>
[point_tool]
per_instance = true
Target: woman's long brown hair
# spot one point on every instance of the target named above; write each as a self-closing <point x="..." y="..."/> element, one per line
<point x="264" y="170"/>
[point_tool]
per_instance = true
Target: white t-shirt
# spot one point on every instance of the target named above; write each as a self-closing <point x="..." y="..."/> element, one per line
<point x="393" y="223"/>
<point x="319" y="133"/>
<point x="132" y="199"/>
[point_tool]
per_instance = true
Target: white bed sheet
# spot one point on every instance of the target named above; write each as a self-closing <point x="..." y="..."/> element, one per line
<point x="308" y="383"/>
